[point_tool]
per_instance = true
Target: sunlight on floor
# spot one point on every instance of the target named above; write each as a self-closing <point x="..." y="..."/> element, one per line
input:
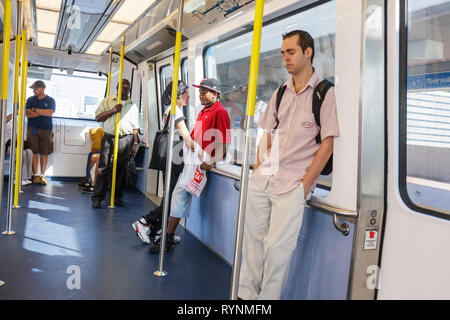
<point x="49" y="238"/>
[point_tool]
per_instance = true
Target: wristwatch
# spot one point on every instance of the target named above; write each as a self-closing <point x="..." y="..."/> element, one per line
<point x="34" y="109"/>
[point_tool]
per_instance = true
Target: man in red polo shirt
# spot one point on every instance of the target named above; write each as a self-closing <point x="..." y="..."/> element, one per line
<point x="211" y="133"/>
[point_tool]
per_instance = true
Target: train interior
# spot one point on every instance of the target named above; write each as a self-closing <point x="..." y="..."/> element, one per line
<point x="376" y="228"/>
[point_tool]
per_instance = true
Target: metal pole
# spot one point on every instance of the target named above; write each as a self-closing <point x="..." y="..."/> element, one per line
<point x="19" y="130"/>
<point x="4" y="93"/>
<point x="176" y="67"/>
<point x="116" y="138"/>
<point x="23" y="100"/>
<point x="4" y="90"/>
<point x="108" y="89"/>
<point x="251" y="99"/>
<point x="13" y="127"/>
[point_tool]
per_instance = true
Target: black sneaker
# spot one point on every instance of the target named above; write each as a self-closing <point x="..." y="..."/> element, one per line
<point x="96" y="203"/>
<point x="119" y="203"/>
<point x="88" y="189"/>
<point x="170" y="244"/>
<point x="82" y="183"/>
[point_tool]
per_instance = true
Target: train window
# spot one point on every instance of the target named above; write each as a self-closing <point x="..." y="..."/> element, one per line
<point x="77" y="95"/>
<point x="425" y="107"/>
<point x="229" y="62"/>
<point x="165" y="76"/>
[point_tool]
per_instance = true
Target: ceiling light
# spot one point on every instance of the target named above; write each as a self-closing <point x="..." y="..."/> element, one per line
<point x="47" y="21"/>
<point x="130" y="10"/>
<point x="97" y="47"/>
<point x="54" y="5"/>
<point x="112" y="31"/>
<point x="45" y="40"/>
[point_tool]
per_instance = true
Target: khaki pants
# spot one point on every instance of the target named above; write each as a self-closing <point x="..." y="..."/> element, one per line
<point x="272" y="227"/>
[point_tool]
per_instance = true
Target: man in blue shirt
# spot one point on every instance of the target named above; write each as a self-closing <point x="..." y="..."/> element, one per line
<point x="39" y="111"/>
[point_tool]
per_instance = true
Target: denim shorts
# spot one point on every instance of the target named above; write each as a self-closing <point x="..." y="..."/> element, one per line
<point x="181" y="202"/>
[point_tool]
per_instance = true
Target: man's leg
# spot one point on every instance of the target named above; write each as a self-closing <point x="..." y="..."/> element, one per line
<point x="35" y="163"/>
<point x="44" y="159"/>
<point x="284" y="228"/>
<point x="104" y="168"/>
<point x="124" y="150"/>
<point x="95" y="160"/>
<point x="89" y="165"/>
<point x="256" y="226"/>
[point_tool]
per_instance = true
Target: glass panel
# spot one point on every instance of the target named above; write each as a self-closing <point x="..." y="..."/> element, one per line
<point x="77" y="96"/>
<point x="166" y="75"/>
<point x="229" y="62"/>
<point x="428" y="104"/>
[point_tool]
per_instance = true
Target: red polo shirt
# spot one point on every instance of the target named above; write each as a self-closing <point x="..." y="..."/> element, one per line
<point x="212" y="126"/>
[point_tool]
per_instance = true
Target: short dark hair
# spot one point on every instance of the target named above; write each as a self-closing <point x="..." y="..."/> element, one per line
<point x="304" y="40"/>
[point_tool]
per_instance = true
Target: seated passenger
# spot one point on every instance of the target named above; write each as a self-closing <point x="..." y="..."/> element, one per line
<point x="212" y="117"/>
<point x="151" y="223"/>
<point x="276" y="197"/>
<point x="87" y="184"/>
<point x="27" y="154"/>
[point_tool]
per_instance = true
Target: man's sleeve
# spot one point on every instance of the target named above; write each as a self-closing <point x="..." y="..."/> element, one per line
<point x="268" y="120"/>
<point x="223" y="127"/>
<point x="53" y="105"/>
<point x="102" y="107"/>
<point x="28" y="104"/>
<point x="328" y="117"/>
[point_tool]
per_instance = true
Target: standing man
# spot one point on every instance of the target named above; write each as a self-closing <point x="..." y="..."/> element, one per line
<point x="39" y="111"/>
<point x="128" y="140"/>
<point x="276" y="199"/>
<point x="211" y="133"/>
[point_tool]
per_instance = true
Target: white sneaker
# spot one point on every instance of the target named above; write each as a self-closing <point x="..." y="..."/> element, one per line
<point x="176" y="239"/>
<point x="141" y="231"/>
<point x="26" y="182"/>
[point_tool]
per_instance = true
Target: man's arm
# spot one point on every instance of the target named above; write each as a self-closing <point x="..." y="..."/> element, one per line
<point x="101" y="117"/>
<point x="264" y="145"/>
<point x="44" y="112"/>
<point x="319" y="162"/>
<point x="221" y="150"/>
<point x="135" y="141"/>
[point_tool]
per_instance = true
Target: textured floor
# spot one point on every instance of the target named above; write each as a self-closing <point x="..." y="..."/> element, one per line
<point x="62" y="243"/>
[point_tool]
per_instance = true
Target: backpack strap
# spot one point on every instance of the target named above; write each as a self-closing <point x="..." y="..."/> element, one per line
<point x="320" y="91"/>
<point x="280" y="94"/>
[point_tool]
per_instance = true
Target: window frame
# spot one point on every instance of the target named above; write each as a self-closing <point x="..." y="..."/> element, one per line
<point x="248" y="29"/>
<point x="75" y="70"/>
<point x="403" y="100"/>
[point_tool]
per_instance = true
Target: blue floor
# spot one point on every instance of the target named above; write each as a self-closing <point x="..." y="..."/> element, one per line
<point x="59" y="236"/>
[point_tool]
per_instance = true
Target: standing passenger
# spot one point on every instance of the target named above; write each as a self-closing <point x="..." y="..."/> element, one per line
<point x="39" y="110"/>
<point x="276" y="200"/>
<point x="154" y="218"/>
<point x="211" y="132"/>
<point x="128" y="140"/>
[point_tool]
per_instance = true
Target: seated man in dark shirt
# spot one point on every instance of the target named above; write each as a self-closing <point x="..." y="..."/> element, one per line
<point x="39" y="110"/>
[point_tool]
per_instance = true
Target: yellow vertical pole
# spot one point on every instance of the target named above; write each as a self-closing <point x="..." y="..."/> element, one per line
<point x="4" y="96"/>
<point x="116" y="138"/>
<point x="251" y="99"/>
<point x="108" y="89"/>
<point x="21" y="106"/>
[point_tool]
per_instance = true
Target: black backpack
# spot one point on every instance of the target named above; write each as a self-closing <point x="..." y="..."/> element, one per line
<point x="318" y="96"/>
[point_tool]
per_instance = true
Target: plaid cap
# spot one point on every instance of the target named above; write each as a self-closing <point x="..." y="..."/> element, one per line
<point x="38" y="84"/>
<point x="209" y="84"/>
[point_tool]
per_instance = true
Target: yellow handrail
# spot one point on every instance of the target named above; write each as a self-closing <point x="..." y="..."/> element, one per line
<point x="108" y="88"/>
<point x="21" y="105"/>
<point x="6" y="42"/>
<point x="176" y="68"/>
<point x="116" y="138"/>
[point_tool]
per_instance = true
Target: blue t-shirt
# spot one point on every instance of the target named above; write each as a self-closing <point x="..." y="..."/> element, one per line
<point x="41" y="122"/>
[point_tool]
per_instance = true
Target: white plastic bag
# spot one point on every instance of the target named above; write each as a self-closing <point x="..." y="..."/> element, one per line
<point x="193" y="178"/>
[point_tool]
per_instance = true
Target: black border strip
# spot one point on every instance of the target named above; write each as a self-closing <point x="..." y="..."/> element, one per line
<point x="403" y="76"/>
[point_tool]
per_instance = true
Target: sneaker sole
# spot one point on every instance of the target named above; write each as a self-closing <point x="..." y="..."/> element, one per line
<point x="176" y="239"/>
<point x="136" y="229"/>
